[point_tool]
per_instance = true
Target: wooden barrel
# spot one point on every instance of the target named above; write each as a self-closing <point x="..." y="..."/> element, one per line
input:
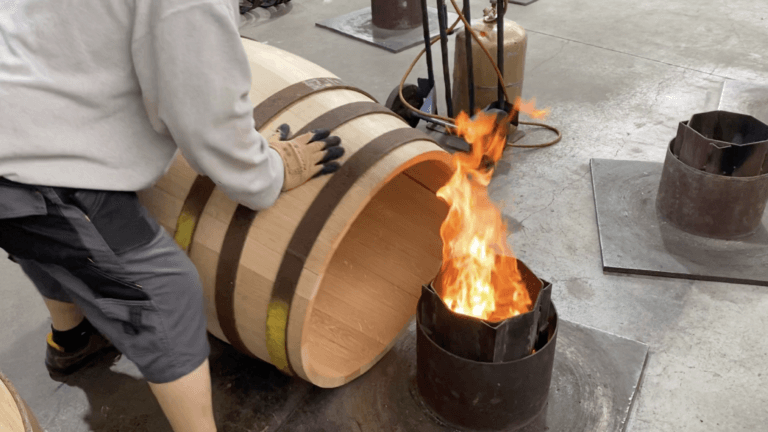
<point x="15" y="415"/>
<point x="322" y="283"/>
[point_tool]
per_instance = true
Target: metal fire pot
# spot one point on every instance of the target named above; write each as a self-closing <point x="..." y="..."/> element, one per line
<point x="396" y="14"/>
<point x="486" y="376"/>
<point x="715" y="177"/>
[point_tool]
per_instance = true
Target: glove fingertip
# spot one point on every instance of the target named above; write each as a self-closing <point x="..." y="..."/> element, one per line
<point x="320" y="134"/>
<point x="331" y="167"/>
<point x="328" y="168"/>
<point x="332" y="153"/>
<point x="331" y="141"/>
<point x="285" y="131"/>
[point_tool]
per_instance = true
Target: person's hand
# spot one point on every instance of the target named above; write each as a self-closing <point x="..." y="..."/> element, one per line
<point x="306" y="156"/>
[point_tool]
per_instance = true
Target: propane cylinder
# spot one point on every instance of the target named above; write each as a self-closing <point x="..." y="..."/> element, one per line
<point x="485" y="78"/>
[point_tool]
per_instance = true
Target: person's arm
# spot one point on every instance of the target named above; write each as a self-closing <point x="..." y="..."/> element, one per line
<point x="195" y="80"/>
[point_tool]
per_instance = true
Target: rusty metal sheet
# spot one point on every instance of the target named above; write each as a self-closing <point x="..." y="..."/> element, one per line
<point x="722" y="143"/>
<point x="503" y="395"/>
<point x="358" y="25"/>
<point x="711" y="205"/>
<point x="482" y="341"/>
<point x="396" y="15"/>
<point x="594" y="384"/>
<point x="748" y="98"/>
<point x="633" y="239"/>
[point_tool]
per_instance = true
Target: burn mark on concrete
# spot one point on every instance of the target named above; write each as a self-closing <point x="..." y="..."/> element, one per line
<point x="579" y="289"/>
<point x="513" y="225"/>
<point x="502" y="168"/>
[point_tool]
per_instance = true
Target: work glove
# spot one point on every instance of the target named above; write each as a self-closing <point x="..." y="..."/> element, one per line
<point x="307" y="156"/>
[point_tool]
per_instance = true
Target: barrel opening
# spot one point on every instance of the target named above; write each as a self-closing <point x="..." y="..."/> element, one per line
<point x="373" y="281"/>
<point x="14" y="412"/>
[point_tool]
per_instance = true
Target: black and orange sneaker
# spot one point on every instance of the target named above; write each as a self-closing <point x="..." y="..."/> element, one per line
<point x="61" y="362"/>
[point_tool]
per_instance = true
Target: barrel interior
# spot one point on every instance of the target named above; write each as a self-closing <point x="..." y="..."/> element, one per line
<point x="371" y="285"/>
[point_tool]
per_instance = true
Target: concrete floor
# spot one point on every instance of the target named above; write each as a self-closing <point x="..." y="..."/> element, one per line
<point x="618" y="75"/>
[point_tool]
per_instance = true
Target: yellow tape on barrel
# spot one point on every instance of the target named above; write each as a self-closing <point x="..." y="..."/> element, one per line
<point x="277" y="323"/>
<point x="191" y="210"/>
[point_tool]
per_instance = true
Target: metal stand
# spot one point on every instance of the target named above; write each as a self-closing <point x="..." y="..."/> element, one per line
<point x="427" y="87"/>
<point x="470" y="63"/>
<point x="500" y="104"/>
<point x="428" y="48"/>
<point x="422" y="95"/>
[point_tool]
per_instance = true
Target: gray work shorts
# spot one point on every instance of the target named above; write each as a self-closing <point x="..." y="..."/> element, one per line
<point x="101" y="251"/>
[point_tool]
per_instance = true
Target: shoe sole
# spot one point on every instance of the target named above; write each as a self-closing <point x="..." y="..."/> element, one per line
<point x="61" y="374"/>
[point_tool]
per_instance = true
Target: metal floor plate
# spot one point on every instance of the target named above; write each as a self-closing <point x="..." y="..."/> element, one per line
<point x="358" y="25"/>
<point x="633" y="239"/>
<point x="594" y="383"/>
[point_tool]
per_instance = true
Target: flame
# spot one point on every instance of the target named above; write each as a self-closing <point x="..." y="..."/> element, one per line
<point x="479" y="275"/>
<point x="529" y="108"/>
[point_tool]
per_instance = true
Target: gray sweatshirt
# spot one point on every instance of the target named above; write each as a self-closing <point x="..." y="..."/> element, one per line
<point x="100" y="94"/>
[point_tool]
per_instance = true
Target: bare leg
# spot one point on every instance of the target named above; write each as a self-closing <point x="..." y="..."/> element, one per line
<point x="64" y="316"/>
<point x="187" y="401"/>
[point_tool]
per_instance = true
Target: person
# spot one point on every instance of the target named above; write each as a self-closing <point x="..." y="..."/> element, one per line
<point x="97" y="98"/>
